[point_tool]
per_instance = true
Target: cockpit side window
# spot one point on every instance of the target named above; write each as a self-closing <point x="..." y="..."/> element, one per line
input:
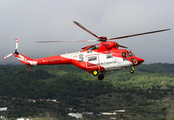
<point x="124" y="54"/>
<point x="129" y="54"/>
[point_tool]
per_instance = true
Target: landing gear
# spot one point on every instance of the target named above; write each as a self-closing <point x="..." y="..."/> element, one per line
<point x="101" y="77"/>
<point x="132" y="70"/>
<point x="95" y="72"/>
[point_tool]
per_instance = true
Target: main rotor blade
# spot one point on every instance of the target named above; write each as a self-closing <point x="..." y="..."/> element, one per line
<point x="138" y="34"/>
<point x="67" y="41"/>
<point x="123" y="46"/>
<point x="86" y="29"/>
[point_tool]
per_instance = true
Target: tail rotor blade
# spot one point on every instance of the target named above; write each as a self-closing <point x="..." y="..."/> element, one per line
<point x="16" y="44"/>
<point x="8" y="56"/>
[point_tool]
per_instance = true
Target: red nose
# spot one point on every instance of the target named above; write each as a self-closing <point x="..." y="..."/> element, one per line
<point x="139" y="60"/>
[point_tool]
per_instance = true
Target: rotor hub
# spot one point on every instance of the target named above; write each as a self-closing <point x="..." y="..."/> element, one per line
<point x="103" y="39"/>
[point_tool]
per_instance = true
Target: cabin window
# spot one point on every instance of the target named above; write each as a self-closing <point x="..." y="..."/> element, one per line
<point x="124" y="54"/>
<point x="92" y="58"/>
<point x="108" y="56"/>
<point x="81" y="58"/>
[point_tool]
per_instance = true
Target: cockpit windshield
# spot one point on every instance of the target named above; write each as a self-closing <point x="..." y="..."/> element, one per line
<point x="129" y="54"/>
<point x="93" y="47"/>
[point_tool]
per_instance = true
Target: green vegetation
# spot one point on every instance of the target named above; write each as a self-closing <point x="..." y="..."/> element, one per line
<point x="146" y="94"/>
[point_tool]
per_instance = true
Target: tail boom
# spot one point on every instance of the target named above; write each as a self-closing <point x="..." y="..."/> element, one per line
<point x="42" y="61"/>
<point x="53" y="60"/>
<point x="25" y="60"/>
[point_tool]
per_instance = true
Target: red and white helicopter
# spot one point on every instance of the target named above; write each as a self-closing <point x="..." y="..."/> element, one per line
<point x="96" y="59"/>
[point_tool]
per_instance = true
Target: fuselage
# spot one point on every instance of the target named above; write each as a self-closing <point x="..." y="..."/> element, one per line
<point x="95" y="59"/>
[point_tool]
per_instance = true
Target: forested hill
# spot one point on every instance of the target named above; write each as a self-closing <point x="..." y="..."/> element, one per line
<point x="157" y="68"/>
<point x="143" y="93"/>
<point x="47" y="78"/>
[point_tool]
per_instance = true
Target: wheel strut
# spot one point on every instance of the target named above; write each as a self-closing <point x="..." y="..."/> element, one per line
<point x="132" y="70"/>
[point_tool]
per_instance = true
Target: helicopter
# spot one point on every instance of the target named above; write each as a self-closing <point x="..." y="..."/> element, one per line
<point x="96" y="59"/>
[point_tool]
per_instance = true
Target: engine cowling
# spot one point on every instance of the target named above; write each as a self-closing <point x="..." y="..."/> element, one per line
<point x="108" y="45"/>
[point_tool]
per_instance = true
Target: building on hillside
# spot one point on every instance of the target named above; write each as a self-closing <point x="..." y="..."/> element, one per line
<point x="20" y="119"/>
<point x="53" y="100"/>
<point x="87" y="113"/>
<point x="107" y="113"/>
<point x="48" y="100"/>
<point x="31" y="100"/>
<point x="76" y="115"/>
<point x="2" y="116"/>
<point x="3" y="109"/>
<point x="119" y="110"/>
<point x="23" y="119"/>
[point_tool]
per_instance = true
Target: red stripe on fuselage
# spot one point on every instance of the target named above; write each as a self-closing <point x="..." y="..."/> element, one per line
<point x="53" y="60"/>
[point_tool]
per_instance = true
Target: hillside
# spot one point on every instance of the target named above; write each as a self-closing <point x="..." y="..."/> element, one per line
<point x="146" y="94"/>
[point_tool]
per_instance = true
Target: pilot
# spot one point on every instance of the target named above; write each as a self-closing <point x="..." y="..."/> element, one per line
<point x="124" y="54"/>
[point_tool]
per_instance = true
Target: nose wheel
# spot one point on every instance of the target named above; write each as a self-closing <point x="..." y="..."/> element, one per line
<point x="132" y="70"/>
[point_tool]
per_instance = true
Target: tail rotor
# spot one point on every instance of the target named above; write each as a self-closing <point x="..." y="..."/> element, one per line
<point x="11" y="54"/>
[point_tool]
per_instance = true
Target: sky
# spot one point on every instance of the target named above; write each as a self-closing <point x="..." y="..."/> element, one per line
<point x="36" y="20"/>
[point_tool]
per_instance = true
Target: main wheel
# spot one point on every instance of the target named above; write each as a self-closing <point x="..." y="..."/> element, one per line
<point x="95" y="72"/>
<point x="131" y="71"/>
<point x="101" y="77"/>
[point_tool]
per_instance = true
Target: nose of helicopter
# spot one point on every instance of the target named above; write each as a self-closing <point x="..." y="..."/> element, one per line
<point x="139" y="60"/>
